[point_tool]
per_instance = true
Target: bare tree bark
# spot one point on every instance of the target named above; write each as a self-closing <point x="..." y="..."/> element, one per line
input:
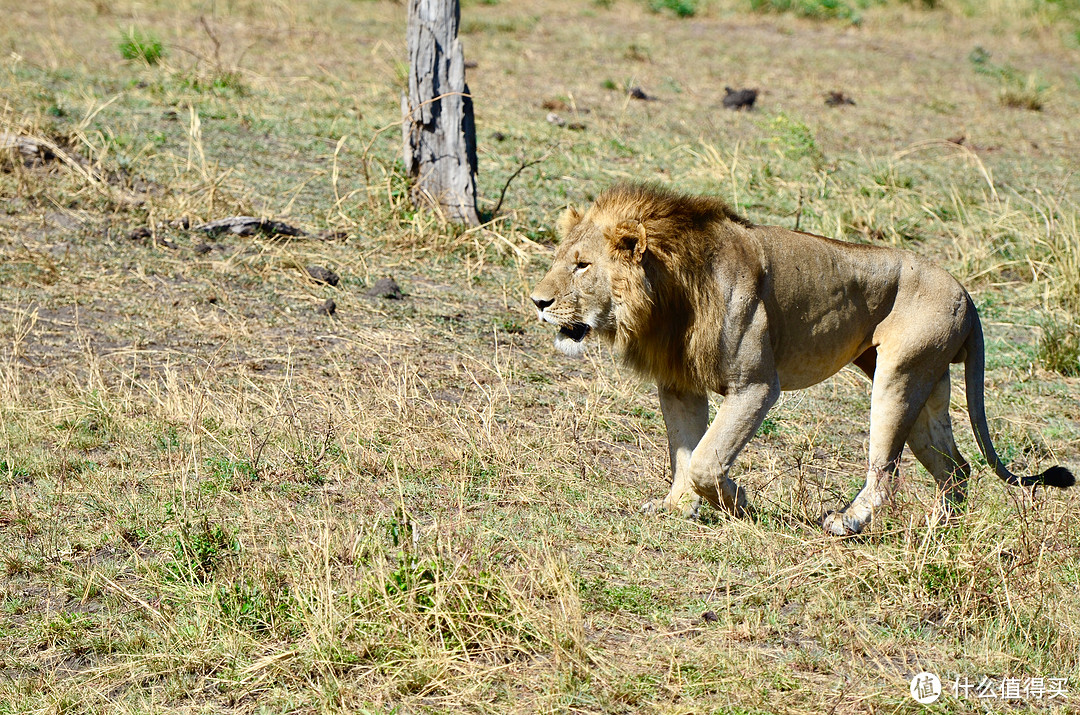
<point x="439" y="134"/>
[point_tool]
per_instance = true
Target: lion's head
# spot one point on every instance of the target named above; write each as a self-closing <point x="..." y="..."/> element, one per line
<point x="584" y="292"/>
<point x="635" y="270"/>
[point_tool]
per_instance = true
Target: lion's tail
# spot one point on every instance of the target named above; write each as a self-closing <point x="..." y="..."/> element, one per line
<point x="1059" y="477"/>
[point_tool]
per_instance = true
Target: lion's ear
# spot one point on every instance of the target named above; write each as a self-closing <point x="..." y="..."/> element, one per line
<point x="627" y="240"/>
<point x="570" y="218"/>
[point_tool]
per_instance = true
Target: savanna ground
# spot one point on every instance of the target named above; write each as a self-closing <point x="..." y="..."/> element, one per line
<point x="216" y="499"/>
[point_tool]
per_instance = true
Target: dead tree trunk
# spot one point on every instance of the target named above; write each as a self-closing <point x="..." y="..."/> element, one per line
<point x="438" y="129"/>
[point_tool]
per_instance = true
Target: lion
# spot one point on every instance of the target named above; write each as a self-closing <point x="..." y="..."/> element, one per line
<point x="699" y="299"/>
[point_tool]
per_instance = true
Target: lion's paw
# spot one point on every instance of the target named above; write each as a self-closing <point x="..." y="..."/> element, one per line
<point x="688" y="508"/>
<point x="653" y="506"/>
<point x="837" y="523"/>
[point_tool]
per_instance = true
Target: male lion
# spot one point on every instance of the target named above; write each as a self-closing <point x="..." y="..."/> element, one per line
<point x="699" y="299"/>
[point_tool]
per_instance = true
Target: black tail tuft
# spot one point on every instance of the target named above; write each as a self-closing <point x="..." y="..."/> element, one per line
<point x="1059" y="477"/>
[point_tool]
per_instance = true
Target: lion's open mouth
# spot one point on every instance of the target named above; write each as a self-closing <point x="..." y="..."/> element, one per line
<point x="575" y="332"/>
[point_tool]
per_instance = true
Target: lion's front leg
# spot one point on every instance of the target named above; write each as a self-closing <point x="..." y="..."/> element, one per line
<point x="686" y="416"/>
<point x="736" y="421"/>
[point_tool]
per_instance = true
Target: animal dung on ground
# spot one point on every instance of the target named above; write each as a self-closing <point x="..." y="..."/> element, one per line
<point x="248" y="225"/>
<point x="639" y="93"/>
<point x="328" y="307"/>
<point x="838" y="99"/>
<point x="386" y="288"/>
<point x="142" y="233"/>
<point x="553" y="118"/>
<point x="558" y="121"/>
<point x="321" y="274"/>
<point x="739" y="98"/>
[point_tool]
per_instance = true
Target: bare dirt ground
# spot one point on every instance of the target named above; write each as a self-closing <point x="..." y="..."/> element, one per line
<point x="217" y="498"/>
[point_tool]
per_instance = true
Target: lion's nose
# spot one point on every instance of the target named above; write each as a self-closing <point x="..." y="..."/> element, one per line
<point x="541" y="303"/>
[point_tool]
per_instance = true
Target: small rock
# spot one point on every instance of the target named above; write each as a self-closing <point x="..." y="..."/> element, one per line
<point x="639" y="93"/>
<point x="321" y="274"/>
<point x="329" y="307"/>
<point x="739" y="98"/>
<point x="386" y="288"/>
<point x="555" y="119"/>
<point x="710" y="617"/>
<point x="837" y="99"/>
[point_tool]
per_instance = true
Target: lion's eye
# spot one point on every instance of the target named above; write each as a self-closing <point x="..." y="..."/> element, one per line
<point x="582" y="265"/>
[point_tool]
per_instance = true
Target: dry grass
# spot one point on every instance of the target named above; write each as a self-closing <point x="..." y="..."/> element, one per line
<point x="218" y="500"/>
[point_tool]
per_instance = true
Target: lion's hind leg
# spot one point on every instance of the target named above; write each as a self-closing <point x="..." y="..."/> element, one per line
<point x="931" y="440"/>
<point x="896" y="400"/>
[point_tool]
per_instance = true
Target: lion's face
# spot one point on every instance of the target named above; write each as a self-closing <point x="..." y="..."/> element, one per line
<point x="576" y="294"/>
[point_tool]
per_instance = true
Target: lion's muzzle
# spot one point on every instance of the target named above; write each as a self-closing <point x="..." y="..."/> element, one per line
<point x="575" y="331"/>
<point x="542" y="303"/>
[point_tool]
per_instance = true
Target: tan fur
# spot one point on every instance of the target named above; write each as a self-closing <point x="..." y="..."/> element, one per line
<point x="700" y="300"/>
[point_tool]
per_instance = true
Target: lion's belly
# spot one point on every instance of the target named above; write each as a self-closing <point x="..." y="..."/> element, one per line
<point x="823" y="306"/>
<point x="812" y="343"/>
<point x="813" y="366"/>
<point x="811" y="370"/>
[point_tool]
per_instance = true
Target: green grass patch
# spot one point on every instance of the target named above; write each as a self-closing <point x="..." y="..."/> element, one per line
<point x="137" y="46"/>
<point x="1059" y="346"/>
<point x="679" y="8"/>
<point x="850" y="10"/>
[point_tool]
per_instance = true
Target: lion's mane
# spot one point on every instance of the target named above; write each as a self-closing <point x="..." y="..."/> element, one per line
<point x="670" y="314"/>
